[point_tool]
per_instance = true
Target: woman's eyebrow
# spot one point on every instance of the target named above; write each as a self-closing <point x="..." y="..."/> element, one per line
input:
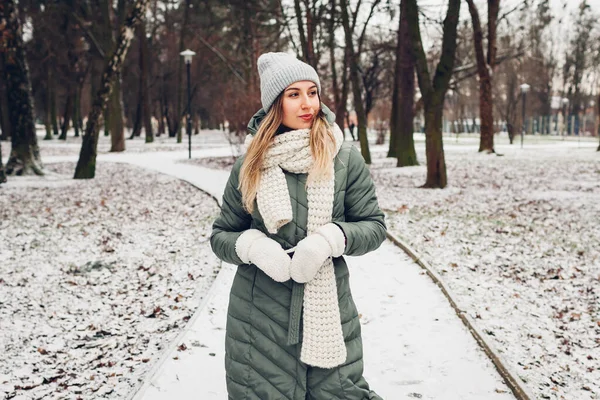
<point x="295" y="88"/>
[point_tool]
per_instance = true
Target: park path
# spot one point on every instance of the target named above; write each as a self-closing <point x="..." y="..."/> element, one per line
<point x="414" y="344"/>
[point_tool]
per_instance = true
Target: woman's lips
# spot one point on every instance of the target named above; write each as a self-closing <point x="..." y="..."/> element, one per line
<point x="307" y="117"/>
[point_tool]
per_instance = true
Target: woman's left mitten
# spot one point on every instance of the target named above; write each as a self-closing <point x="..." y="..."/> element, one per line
<point x="312" y="251"/>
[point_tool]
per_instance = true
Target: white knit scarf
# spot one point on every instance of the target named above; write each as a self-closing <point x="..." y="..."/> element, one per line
<point x="322" y="340"/>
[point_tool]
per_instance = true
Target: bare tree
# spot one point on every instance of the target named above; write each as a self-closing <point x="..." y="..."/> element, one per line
<point x="86" y="166"/>
<point x="25" y="155"/>
<point x="578" y="58"/>
<point x="143" y="110"/>
<point x="309" y="16"/>
<point x="4" y="117"/>
<point x="434" y="92"/>
<point x="485" y="69"/>
<point x="354" y="57"/>
<point x="402" y="144"/>
<point x="339" y="85"/>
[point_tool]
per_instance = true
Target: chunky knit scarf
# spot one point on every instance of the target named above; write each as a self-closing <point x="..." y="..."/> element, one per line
<point x="323" y="340"/>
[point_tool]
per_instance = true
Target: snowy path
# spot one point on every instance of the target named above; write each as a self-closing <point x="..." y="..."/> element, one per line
<point x="415" y="346"/>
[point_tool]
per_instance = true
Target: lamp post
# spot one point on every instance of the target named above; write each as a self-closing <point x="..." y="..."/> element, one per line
<point x="524" y="89"/>
<point x="187" y="57"/>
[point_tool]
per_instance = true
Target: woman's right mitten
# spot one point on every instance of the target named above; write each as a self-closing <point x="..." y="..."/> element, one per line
<point x="256" y="248"/>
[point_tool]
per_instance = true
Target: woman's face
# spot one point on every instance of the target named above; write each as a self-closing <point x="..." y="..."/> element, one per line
<point x="301" y="104"/>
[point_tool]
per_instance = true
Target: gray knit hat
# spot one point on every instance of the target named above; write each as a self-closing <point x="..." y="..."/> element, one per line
<point x="278" y="71"/>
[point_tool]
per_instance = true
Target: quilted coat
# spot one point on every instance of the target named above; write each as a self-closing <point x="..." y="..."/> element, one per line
<point x="264" y="319"/>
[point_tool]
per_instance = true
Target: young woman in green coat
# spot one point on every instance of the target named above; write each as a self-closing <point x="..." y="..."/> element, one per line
<point x="297" y="202"/>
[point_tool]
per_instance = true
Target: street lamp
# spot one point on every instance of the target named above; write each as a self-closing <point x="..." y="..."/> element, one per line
<point x="565" y="102"/>
<point x="524" y="89"/>
<point x="187" y="57"/>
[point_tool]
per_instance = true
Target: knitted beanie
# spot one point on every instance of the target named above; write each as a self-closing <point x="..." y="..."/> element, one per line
<point x="278" y="71"/>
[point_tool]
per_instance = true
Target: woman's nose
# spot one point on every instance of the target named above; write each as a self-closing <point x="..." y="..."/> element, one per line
<point x="305" y="101"/>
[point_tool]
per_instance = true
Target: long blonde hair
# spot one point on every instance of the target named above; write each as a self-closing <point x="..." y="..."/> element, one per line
<point x="322" y="146"/>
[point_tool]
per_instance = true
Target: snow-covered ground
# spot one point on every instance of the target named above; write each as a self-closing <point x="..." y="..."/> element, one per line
<point x="96" y="277"/>
<point x="516" y="239"/>
<point x="55" y="147"/>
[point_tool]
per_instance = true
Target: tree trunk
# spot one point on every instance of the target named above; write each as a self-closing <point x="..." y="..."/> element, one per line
<point x="115" y="111"/>
<point x="137" y="122"/>
<point x="53" y="108"/>
<point x="4" y="117"/>
<point x="66" y="117"/>
<point x="2" y="175"/>
<point x="86" y="166"/>
<point x="510" y="128"/>
<point x="161" y="119"/>
<point x="180" y="91"/>
<point x="24" y="157"/>
<point x="77" y="110"/>
<point x="341" y="112"/>
<point x="395" y="111"/>
<point x="306" y="40"/>
<point x="145" y="71"/>
<point x="434" y="148"/>
<point x="171" y="125"/>
<point x="340" y="109"/>
<point x="434" y="92"/>
<point x="356" y="89"/>
<point x="401" y="122"/>
<point x="486" y="114"/>
<point x="48" y="111"/>
<point x="196" y="124"/>
<point x="485" y="67"/>
<point x="113" y="114"/>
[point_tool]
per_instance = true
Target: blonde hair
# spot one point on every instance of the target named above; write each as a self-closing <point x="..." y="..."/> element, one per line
<point x="322" y="146"/>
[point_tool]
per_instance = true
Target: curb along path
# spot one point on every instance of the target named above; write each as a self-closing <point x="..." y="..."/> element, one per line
<point x="414" y="343"/>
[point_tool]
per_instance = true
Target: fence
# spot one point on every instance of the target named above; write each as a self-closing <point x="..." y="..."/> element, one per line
<point x="541" y="125"/>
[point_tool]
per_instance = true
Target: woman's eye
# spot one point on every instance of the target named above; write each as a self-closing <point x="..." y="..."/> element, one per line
<point x="294" y="95"/>
<point x="313" y="93"/>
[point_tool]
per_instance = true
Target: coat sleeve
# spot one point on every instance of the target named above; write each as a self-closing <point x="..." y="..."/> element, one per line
<point x="364" y="226"/>
<point x="232" y="221"/>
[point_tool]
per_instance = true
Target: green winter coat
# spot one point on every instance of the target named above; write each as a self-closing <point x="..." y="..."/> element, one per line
<point x="264" y="323"/>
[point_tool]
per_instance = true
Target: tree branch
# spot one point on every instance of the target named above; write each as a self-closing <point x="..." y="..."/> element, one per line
<point x="443" y="72"/>
<point x="89" y="34"/>
<point x="362" y="34"/>
<point x="412" y="12"/>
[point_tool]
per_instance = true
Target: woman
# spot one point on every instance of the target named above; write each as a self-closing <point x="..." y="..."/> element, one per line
<point x="294" y="204"/>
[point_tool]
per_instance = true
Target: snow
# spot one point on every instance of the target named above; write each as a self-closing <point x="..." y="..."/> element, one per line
<point x="514" y="237"/>
<point x="96" y="277"/>
<point x="414" y="345"/>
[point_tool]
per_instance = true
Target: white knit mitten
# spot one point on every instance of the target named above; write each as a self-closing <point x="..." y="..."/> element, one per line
<point x="312" y="251"/>
<point x="255" y="247"/>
